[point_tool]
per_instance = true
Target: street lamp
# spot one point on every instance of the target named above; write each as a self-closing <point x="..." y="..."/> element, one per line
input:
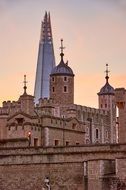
<point x="29" y="138"/>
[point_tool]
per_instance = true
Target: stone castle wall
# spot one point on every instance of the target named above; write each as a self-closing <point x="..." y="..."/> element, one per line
<point x="68" y="168"/>
<point x="31" y="177"/>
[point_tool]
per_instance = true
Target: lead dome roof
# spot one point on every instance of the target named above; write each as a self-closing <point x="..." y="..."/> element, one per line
<point x="62" y="69"/>
<point x="107" y="89"/>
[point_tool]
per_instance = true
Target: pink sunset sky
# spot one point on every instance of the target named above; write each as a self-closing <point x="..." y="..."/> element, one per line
<point x="94" y="33"/>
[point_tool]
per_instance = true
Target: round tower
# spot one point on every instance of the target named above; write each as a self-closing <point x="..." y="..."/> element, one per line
<point x="62" y="82"/>
<point x="107" y="102"/>
<point x="106" y="94"/>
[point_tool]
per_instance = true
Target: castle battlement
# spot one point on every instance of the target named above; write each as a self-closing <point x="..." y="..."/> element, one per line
<point x="9" y="107"/>
<point x="45" y="101"/>
<point x="91" y="110"/>
<point x="10" y="104"/>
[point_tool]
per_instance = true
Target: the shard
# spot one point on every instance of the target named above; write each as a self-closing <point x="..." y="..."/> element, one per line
<point x="46" y="60"/>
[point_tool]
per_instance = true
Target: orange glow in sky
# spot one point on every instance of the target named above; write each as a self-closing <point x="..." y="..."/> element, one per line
<point x="94" y="33"/>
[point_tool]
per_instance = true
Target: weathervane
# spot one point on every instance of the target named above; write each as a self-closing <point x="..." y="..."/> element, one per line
<point x="62" y="48"/>
<point x="25" y="82"/>
<point x="107" y="71"/>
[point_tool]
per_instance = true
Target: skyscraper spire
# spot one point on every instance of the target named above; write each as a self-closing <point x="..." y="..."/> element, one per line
<point x="46" y="60"/>
<point x="46" y="31"/>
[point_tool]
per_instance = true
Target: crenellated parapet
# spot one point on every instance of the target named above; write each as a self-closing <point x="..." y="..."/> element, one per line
<point x="45" y="102"/>
<point x="82" y="113"/>
<point x="45" y="107"/>
<point x="9" y="107"/>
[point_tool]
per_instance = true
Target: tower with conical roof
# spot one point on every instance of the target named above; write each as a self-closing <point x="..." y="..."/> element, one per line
<point x="107" y="102"/>
<point x="62" y="82"/>
<point x="46" y="60"/>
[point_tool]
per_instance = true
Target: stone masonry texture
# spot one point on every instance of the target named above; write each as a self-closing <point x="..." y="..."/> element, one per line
<point x="23" y="168"/>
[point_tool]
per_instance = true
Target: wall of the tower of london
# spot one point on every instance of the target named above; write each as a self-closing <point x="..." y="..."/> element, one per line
<point x="96" y="122"/>
<point x="100" y="167"/>
<point x="54" y="124"/>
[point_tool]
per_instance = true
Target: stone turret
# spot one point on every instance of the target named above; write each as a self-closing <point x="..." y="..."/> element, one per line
<point x="107" y="102"/>
<point x="62" y="82"/>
